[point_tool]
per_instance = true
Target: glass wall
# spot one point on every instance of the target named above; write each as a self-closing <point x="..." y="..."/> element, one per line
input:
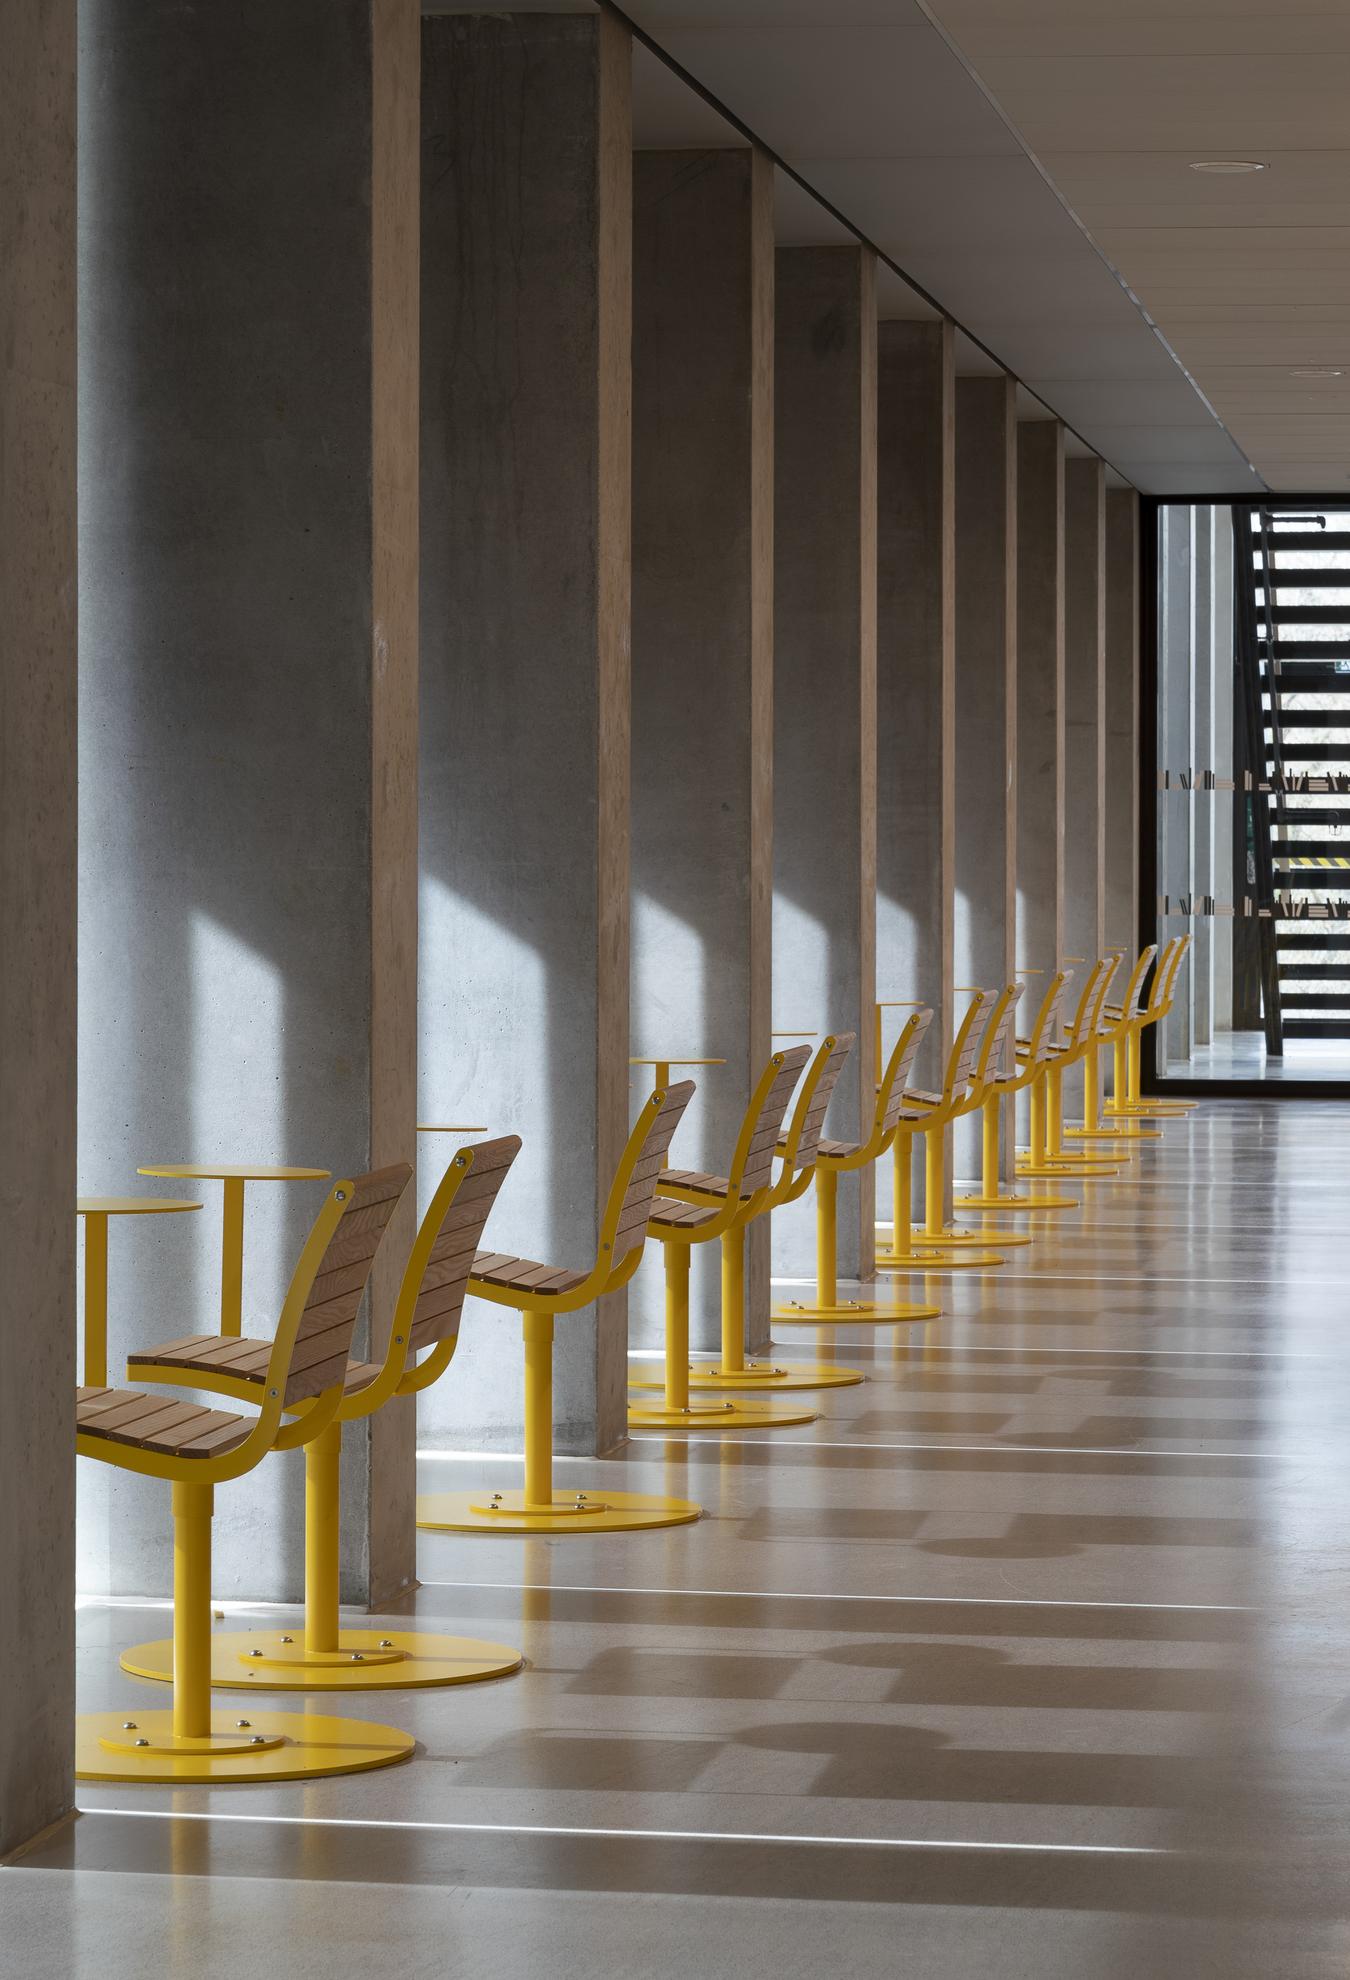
<point x="1252" y="835"/>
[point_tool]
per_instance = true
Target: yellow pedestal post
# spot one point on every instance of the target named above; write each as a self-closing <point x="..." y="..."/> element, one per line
<point x="903" y="1254"/>
<point x="538" y="1509"/>
<point x="828" y="1307"/>
<point x="939" y="1235"/>
<point x="191" y="1743"/>
<point x="1047" y="1155"/>
<point x="327" y="1657"/>
<point x="991" y="1195"/>
<point x="678" y="1412"/>
<point x="1094" y="1128"/>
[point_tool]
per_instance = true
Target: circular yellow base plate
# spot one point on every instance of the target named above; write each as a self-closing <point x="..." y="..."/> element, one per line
<point x="399" y="1660"/>
<point x="1027" y="1205"/>
<point x="1113" y="1134"/>
<point x="939" y="1261"/>
<point x="863" y="1313"/>
<point x="967" y="1240"/>
<point x="297" y="1746"/>
<point x="717" y="1416"/>
<point x="769" y="1377"/>
<point x="1058" y="1171"/>
<point x="625" y="1512"/>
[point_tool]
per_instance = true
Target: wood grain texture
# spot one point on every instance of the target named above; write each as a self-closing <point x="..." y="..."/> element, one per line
<point x="614" y="545"/>
<point x="396" y="55"/>
<point x="1040" y="693"/>
<point x="1085" y="704"/>
<point x="37" y="910"/>
<point x="758" y="1040"/>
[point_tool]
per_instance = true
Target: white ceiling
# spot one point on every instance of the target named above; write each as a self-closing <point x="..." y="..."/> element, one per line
<point x="867" y="101"/>
<point x="1027" y="163"/>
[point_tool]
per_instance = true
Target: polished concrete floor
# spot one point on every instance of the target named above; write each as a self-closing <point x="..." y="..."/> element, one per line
<point x="1242" y="1055"/>
<point x="1030" y="1658"/>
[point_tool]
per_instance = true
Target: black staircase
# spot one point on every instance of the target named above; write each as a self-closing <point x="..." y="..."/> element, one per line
<point x="1293" y="658"/>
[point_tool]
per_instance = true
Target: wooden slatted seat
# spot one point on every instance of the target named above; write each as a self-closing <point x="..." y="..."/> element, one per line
<point x="157" y="1423"/>
<point x="669" y="1214"/>
<point x="523" y="1275"/>
<point x="694" y="1179"/>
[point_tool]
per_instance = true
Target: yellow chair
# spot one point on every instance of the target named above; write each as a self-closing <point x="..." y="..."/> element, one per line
<point x="797" y="1151"/>
<point x="539" y="1293"/>
<point x="1048" y="1156"/>
<point x="929" y="1114"/>
<point x="1113" y="1028"/>
<point x="997" y="1027"/>
<point x="1029" y="1056"/>
<point x="836" y="1158"/>
<point x="1159" y="1004"/>
<point x="196" y="1449"/>
<point x="693" y="1208"/>
<point x="323" y="1656"/>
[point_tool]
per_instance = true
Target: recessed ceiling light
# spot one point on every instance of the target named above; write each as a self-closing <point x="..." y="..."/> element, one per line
<point x="1317" y="371"/>
<point x="1228" y="165"/>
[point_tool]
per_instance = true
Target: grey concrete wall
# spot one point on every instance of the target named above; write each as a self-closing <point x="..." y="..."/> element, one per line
<point x="1176" y="753"/>
<point x="1122" y="720"/>
<point x="985" y="918"/>
<point x="37" y="914"/>
<point x="825" y="696"/>
<point x="1222" y="801"/>
<point x="702" y="808"/>
<point x="1084" y="707"/>
<point x="1040" y="698"/>
<point x="526" y="259"/>
<point x="916" y="675"/>
<point x="247" y="526"/>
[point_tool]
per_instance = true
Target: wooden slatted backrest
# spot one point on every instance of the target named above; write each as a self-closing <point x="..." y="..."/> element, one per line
<point x="1044" y="1031"/>
<point x="323" y="1338"/>
<point x="1161" y="987"/>
<point x="752" y="1163"/>
<point x="808" y="1117"/>
<point x="1134" y="989"/>
<point x="1110" y="963"/>
<point x="891" y="1095"/>
<point x="1086" y="1007"/>
<point x="641" y="1163"/>
<point x="996" y="1053"/>
<point x="450" y="1235"/>
<point x="1183" y="942"/>
<point x="965" y="1047"/>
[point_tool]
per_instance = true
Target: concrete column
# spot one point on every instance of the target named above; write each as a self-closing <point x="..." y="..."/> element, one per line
<point x="916" y="675"/>
<point x="1176" y="753"/>
<point x="526" y="305"/>
<point x="825" y="696"/>
<point x="986" y="694"/>
<point x="248" y="440"/>
<point x="1202" y="804"/>
<point x="1222" y="801"/>
<point x="703" y="662"/>
<point x="1122" y="720"/>
<point x="1040" y="698"/>
<point x="1084" y="721"/>
<point x="37" y="914"/>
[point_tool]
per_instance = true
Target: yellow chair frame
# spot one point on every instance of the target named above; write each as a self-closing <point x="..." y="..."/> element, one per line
<point x="427" y="1313"/>
<point x="539" y="1294"/>
<point x="188" y="1742"/>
